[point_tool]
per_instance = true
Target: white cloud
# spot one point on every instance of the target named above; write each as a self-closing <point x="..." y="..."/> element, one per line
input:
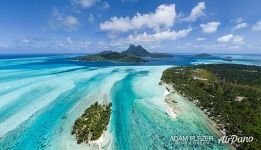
<point x="160" y="36"/>
<point x="210" y="27"/>
<point x="117" y="24"/>
<point x="225" y="39"/>
<point x="25" y="41"/>
<point x="234" y="47"/>
<point x="105" y="5"/>
<point x="69" y="40"/>
<point x="196" y="12"/>
<point x="163" y="17"/>
<point x="238" y="40"/>
<point x="240" y="26"/>
<point x="257" y="26"/>
<point x="85" y="3"/>
<point x="62" y="21"/>
<point x="2" y="45"/>
<point x="91" y="18"/>
<point x="200" y="39"/>
<point x="235" y="39"/>
<point x="239" y="20"/>
<point x="71" y="21"/>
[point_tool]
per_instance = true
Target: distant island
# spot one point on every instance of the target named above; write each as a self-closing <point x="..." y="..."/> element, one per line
<point x="93" y="122"/>
<point x="229" y="94"/>
<point x="141" y="52"/>
<point x="202" y="55"/>
<point x="134" y="54"/>
<point x="111" y="56"/>
<point x="227" y="58"/>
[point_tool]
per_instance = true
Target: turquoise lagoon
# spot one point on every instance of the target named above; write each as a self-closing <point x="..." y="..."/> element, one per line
<point x="40" y="98"/>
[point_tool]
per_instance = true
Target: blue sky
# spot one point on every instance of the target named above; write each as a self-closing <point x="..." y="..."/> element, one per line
<point x="87" y="26"/>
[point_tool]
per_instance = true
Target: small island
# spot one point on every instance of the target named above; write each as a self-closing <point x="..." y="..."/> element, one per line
<point x="202" y="55"/>
<point x="93" y="122"/>
<point x="227" y="58"/>
<point x="134" y="54"/>
<point x="229" y="94"/>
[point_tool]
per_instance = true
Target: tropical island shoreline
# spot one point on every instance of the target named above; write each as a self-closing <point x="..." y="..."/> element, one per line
<point x="168" y="100"/>
<point x="169" y="90"/>
<point x="98" y="141"/>
<point x="225" y="96"/>
<point x="92" y="125"/>
<point x="171" y="111"/>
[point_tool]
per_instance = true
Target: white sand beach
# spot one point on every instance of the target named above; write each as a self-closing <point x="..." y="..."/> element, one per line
<point x="169" y="101"/>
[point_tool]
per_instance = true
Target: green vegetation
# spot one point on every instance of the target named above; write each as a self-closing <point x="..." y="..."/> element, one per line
<point x="202" y="55"/>
<point x="142" y="52"/>
<point x="229" y="94"/>
<point x="111" y="56"/>
<point x="133" y="54"/>
<point x="92" y="123"/>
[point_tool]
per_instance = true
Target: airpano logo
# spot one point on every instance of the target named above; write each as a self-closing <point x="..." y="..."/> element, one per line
<point x="235" y="139"/>
<point x="203" y="140"/>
